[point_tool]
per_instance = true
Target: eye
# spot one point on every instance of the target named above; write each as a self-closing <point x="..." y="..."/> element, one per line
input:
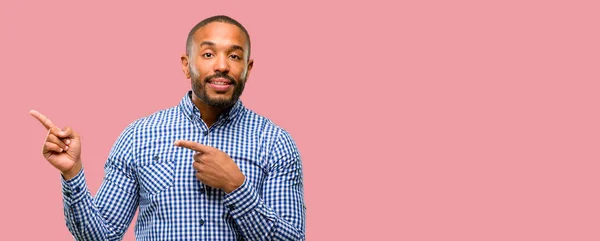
<point x="234" y="56"/>
<point x="207" y="55"/>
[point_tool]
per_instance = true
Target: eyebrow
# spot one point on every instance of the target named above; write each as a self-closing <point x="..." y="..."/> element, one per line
<point x="209" y="43"/>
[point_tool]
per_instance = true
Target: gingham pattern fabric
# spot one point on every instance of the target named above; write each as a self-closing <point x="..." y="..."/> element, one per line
<point x="144" y="169"/>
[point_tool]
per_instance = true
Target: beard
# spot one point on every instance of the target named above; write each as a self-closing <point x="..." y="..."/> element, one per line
<point x="199" y="89"/>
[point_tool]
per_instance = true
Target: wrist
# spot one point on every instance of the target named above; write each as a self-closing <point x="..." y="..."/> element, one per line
<point x="235" y="184"/>
<point x="70" y="174"/>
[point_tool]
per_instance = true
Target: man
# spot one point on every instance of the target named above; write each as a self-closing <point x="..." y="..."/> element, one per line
<point x="206" y="169"/>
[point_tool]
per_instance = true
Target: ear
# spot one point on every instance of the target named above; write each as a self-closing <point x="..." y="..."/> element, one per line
<point x="250" y="64"/>
<point x="185" y="66"/>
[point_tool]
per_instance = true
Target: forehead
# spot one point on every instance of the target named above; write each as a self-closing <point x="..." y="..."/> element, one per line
<point x="220" y="34"/>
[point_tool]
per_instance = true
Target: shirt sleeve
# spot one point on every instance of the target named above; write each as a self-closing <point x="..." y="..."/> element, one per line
<point x="107" y="215"/>
<point x="279" y="214"/>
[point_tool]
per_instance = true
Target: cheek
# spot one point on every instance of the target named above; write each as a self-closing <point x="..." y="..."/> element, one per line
<point x="198" y="73"/>
<point x="239" y="73"/>
<point x="199" y="68"/>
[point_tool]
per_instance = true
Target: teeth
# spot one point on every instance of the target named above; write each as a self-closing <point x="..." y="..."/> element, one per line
<point x="219" y="83"/>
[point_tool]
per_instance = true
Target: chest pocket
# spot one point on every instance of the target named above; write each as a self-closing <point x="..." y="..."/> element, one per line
<point x="156" y="173"/>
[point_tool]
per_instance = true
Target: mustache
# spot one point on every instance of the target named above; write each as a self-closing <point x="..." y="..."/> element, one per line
<point x="220" y="75"/>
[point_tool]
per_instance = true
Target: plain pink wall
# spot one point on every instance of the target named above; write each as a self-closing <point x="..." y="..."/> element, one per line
<point x="431" y="120"/>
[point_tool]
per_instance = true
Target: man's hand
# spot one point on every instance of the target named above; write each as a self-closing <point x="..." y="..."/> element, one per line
<point x="62" y="148"/>
<point x="214" y="167"/>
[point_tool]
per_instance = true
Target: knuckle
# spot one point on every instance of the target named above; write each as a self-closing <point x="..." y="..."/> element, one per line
<point x="55" y="131"/>
<point x="53" y="138"/>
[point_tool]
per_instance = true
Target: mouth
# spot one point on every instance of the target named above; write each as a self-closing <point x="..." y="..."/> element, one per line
<point x="220" y="84"/>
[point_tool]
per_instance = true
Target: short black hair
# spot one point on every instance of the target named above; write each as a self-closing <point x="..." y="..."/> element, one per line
<point x="217" y="18"/>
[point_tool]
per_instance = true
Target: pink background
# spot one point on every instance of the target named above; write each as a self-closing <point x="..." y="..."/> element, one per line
<point x="436" y="120"/>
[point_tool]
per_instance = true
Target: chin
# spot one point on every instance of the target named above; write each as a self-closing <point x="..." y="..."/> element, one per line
<point x="220" y="97"/>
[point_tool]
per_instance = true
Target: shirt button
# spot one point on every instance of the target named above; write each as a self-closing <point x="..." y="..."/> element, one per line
<point x="201" y="222"/>
<point x="68" y="194"/>
<point x="156" y="158"/>
<point x="230" y="206"/>
<point x="202" y="190"/>
<point x="205" y="133"/>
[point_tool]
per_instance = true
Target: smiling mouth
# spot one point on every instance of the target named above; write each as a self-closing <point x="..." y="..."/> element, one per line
<point x="219" y="81"/>
<point x="220" y="84"/>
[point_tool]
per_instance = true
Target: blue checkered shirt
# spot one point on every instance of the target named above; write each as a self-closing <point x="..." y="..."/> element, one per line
<point x="144" y="169"/>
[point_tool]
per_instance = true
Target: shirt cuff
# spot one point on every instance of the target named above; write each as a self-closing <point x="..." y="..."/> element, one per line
<point x="74" y="189"/>
<point x="241" y="200"/>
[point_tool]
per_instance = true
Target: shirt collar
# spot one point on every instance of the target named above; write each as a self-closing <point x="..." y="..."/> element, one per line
<point x="191" y="111"/>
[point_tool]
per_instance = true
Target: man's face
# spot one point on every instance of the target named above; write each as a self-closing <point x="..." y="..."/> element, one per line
<point x="218" y="65"/>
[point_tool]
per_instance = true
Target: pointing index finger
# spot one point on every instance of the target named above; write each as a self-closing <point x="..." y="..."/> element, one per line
<point x="42" y="119"/>
<point x="195" y="146"/>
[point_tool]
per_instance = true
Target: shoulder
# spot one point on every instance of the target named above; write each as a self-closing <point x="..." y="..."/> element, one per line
<point x="264" y="124"/>
<point x="157" y="120"/>
<point x="280" y="139"/>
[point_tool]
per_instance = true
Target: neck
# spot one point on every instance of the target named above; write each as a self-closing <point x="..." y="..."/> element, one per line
<point x="209" y="114"/>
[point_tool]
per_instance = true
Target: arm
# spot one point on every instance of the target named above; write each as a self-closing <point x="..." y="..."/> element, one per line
<point x="279" y="214"/>
<point x="108" y="215"/>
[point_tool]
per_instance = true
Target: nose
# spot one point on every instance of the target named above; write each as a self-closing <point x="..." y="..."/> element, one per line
<point x="221" y="64"/>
